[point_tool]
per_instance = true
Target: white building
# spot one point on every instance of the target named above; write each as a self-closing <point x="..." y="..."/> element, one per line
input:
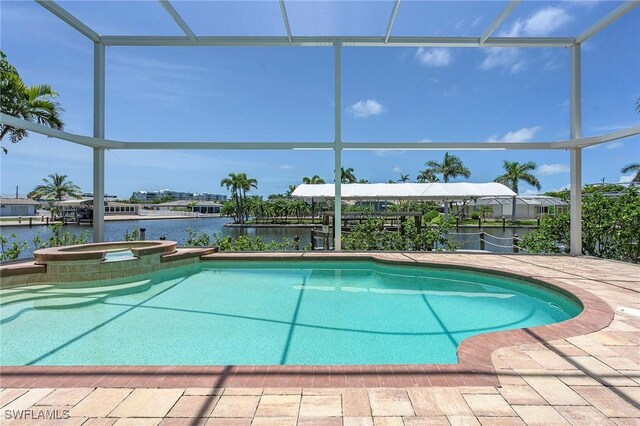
<point x="151" y="196"/>
<point x="18" y="207"/>
<point x="527" y="206"/>
<point x="206" y="207"/>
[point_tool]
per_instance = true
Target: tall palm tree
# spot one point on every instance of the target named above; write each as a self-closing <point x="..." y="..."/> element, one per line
<point x="403" y="178"/>
<point x="632" y="168"/>
<point x="451" y="167"/>
<point x="56" y="187"/>
<point x="315" y="179"/>
<point x="426" y="176"/>
<point x="231" y="182"/>
<point x="246" y="183"/>
<point x="347" y="176"/>
<point x="514" y="173"/>
<point x="239" y="184"/>
<point x="34" y="103"/>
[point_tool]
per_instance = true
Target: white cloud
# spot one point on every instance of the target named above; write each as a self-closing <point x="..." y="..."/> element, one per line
<point x="546" y="21"/>
<point x="397" y="169"/>
<point x="434" y="57"/>
<point x="542" y="23"/>
<point x="286" y="167"/>
<point x="521" y="135"/>
<point x="425" y="140"/>
<point x="626" y="178"/>
<point x="530" y="192"/>
<point x="614" y="145"/>
<point x="552" y="169"/>
<point x="507" y="58"/>
<point x="366" y="108"/>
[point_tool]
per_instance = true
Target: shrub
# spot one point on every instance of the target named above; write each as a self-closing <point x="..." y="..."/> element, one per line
<point x="610" y="228"/>
<point x="371" y="235"/>
<point x="134" y="235"/>
<point x="57" y="239"/>
<point x="10" y="247"/>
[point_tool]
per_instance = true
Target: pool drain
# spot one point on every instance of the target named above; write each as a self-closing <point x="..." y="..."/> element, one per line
<point x="555" y="306"/>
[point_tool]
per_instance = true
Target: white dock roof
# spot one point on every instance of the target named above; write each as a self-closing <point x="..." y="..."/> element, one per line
<point x="405" y="191"/>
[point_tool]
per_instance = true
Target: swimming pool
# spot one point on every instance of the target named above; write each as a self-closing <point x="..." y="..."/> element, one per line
<point x="269" y="312"/>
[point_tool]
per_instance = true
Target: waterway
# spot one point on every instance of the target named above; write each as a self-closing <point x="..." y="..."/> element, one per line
<point x="175" y="230"/>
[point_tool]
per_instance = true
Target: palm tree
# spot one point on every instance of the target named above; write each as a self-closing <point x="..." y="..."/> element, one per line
<point x="34" y="103"/>
<point x="632" y="168"/>
<point x="451" y="167"/>
<point x="232" y="184"/>
<point x="239" y="184"/>
<point x="290" y="190"/>
<point x="363" y="181"/>
<point x="56" y="187"/>
<point x="315" y="179"/>
<point x="426" y="176"/>
<point x="514" y="173"/>
<point x="246" y="184"/>
<point x="403" y="178"/>
<point x="347" y="176"/>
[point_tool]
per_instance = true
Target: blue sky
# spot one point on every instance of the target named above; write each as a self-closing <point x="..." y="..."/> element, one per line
<point x="286" y="94"/>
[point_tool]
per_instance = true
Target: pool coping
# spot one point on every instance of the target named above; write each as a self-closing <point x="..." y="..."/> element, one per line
<point x="474" y="368"/>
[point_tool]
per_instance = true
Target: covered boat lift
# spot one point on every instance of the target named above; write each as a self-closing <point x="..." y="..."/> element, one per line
<point x="434" y="191"/>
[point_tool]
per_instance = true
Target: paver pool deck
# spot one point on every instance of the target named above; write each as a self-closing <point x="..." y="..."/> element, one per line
<point x="587" y="378"/>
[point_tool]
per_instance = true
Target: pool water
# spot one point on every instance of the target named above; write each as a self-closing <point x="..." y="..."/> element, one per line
<point x="269" y="312"/>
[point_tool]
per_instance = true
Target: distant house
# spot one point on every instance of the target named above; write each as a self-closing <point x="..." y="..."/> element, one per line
<point x="527" y="206"/>
<point x="18" y="207"/>
<point x="151" y="196"/>
<point x="208" y="207"/>
<point x="82" y="209"/>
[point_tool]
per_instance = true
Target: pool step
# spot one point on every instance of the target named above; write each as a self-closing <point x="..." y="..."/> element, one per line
<point x="12" y="305"/>
<point x="11" y="312"/>
<point x="53" y="291"/>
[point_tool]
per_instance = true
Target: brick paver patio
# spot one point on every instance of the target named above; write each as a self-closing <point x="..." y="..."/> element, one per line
<point x="589" y="378"/>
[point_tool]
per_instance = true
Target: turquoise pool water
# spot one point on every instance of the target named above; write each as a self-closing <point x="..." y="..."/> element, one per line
<point x="269" y="312"/>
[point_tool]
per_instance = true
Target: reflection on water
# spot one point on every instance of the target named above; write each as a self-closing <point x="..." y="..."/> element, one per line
<point x="175" y="230"/>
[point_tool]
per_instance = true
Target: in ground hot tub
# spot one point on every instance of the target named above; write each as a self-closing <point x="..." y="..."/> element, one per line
<point x="99" y="250"/>
<point x="103" y="261"/>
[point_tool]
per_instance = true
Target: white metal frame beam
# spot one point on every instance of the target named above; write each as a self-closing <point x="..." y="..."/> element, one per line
<point x="392" y="20"/>
<point x="608" y="20"/>
<point x="168" y="7"/>
<point x="95" y="142"/>
<point x="328" y="41"/>
<point x="575" y="123"/>
<point x="98" y="132"/>
<point x="285" y="20"/>
<point x="499" y="19"/>
<point x="65" y="16"/>
<point x="337" y="164"/>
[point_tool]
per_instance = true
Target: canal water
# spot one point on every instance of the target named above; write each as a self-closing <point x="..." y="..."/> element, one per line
<point x="175" y="230"/>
